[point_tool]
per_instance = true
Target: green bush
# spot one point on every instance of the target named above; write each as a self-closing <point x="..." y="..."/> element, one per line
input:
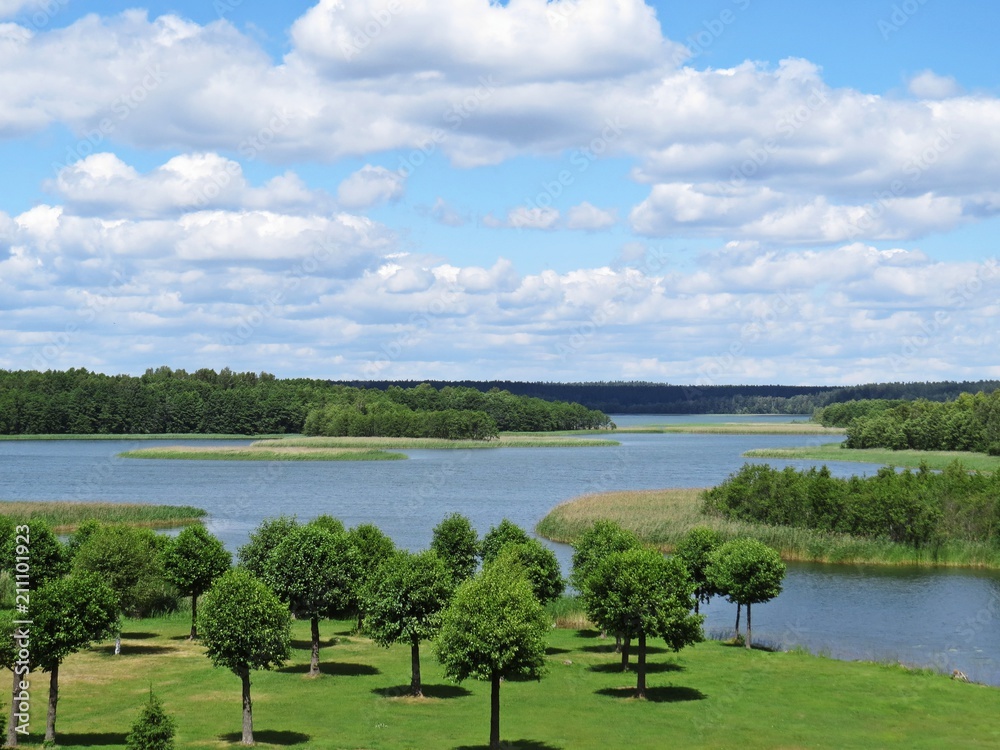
<point x="153" y="729"/>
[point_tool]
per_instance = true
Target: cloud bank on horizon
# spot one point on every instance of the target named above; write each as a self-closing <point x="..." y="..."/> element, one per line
<point x="465" y="189"/>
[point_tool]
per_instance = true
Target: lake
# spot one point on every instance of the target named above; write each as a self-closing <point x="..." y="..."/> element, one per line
<point x="947" y="619"/>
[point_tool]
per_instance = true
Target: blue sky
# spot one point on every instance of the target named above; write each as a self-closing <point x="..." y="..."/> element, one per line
<point x="734" y="191"/>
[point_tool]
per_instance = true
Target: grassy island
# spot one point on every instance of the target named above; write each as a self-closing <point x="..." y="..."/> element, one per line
<point x="65" y="517"/>
<point x="258" y="452"/>
<point x="885" y="456"/>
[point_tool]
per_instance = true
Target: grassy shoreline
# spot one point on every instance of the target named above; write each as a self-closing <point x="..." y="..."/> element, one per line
<point x="707" y="696"/>
<point x="255" y="453"/>
<point x="160" y="436"/>
<point x="884" y="456"/>
<point x="735" y="428"/>
<point x="506" y="440"/>
<point x="66" y="517"/>
<point x="662" y="517"/>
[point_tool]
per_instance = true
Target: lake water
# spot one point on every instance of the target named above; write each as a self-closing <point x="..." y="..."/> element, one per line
<point x="946" y="619"/>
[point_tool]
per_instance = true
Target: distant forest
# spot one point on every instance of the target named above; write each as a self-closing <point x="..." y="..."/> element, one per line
<point x="245" y="403"/>
<point x="660" y="398"/>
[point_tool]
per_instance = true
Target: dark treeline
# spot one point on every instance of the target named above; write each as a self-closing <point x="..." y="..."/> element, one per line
<point x="917" y="508"/>
<point x="165" y="401"/>
<point x="969" y="423"/>
<point x="661" y="398"/>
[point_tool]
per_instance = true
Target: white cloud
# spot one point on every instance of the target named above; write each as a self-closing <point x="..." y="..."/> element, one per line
<point x="371" y="186"/>
<point x="929" y="85"/>
<point x="523" y="217"/>
<point x="443" y="213"/>
<point x="589" y="217"/>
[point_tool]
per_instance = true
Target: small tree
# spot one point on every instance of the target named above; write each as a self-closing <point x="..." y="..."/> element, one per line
<point x="253" y="555"/>
<point x="695" y="551"/>
<point x="457" y="544"/>
<point x="244" y="626"/>
<point x="640" y="593"/>
<point x="68" y="614"/>
<point x="315" y="572"/>
<point x="373" y="547"/>
<point x="746" y="572"/>
<point x="507" y="532"/>
<point x="153" y="729"/>
<point x="539" y="564"/>
<point x="404" y="604"/>
<point x="191" y="561"/>
<point x="16" y="654"/>
<point x="48" y="557"/>
<point x="493" y="629"/>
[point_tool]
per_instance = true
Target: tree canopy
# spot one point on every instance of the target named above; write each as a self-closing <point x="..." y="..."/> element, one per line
<point x="457" y="544"/>
<point x="191" y="561"/>
<point x="746" y="572"/>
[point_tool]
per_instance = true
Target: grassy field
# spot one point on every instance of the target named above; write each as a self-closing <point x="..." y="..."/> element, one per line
<point x="261" y="453"/>
<point x="506" y="440"/>
<point x="663" y="517"/>
<point x="707" y="696"/>
<point x="907" y="458"/>
<point x="65" y="517"/>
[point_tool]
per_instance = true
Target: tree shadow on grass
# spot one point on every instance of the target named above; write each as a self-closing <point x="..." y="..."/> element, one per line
<point x="554" y="651"/>
<point x="129" y="649"/>
<point x="307" y="645"/>
<point x="430" y="691"/>
<point x="610" y="648"/>
<point x="652" y="668"/>
<point x="669" y="694"/>
<point x="588" y="633"/>
<point x="515" y="745"/>
<point x="94" y="739"/>
<point x="335" y="669"/>
<point x="270" y="736"/>
<point x="139" y="636"/>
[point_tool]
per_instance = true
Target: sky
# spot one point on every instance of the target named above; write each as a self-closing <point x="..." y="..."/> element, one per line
<point x="721" y="192"/>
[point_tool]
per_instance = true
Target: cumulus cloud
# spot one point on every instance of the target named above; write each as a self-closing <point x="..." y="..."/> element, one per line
<point x="929" y="85"/>
<point x="523" y="217"/>
<point x="589" y="217"/>
<point x="371" y="186"/>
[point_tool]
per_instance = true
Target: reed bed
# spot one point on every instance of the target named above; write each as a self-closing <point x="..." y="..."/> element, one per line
<point x="736" y="428"/>
<point x="506" y="440"/>
<point x="158" y="436"/>
<point x="904" y="459"/>
<point x="257" y="453"/>
<point x="65" y="517"/>
<point x="661" y="518"/>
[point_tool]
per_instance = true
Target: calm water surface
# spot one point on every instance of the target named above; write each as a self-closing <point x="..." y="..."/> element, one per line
<point x="945" y="619"/>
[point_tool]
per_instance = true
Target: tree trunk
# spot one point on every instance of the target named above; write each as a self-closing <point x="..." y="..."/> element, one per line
<point x="640" y="681"/>
<point x="118" y="644"/>
<point x="696" y="605"/>
<point x="50" y="721"/>
<point x="361" y="621"/>
<point x="626" y="643"/>
<point x="618" y="643"/>
<point x="748" y="625"/>
<point x="495" y="713"/>
<point x="737" y="622"/>
<point x="314" y="657"/>
<point x="415" y="688"/>
<point x="247" y="707"/>
<point x="12" y="724"/>
<point x="194" y="617"/>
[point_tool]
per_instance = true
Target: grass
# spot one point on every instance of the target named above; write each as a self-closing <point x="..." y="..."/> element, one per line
<point x="662" y="517"/>
<point x="906" y="458"/>
<point x="506" y="440"/>
<point x="161" y="436"/>
<point x="260" y="453"/>
<point x="737" y="428"/>
<point x="707" y="696"/>
<point x="65" y="517"/>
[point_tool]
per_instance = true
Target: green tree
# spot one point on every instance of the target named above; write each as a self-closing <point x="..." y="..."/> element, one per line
<point x="539" y="564"/>
<point x="746" y="572"/>
<point x="404" y="604"/>
<point x="315" y="572"/>
<point x="695" y="551"/>
<point x="17" y="655"/>
<point x="506" y="532"/>
<point x="47" y="558"/>
<point x="244" y="626"/>
<point x="641" y="593"/>
<point x="253" y="555"/>
<point x="68" y="614"/>
<point x="191" y="561"/>
<point x="457" y="544"/>
<point x="493" y="629"/>
<point x="153" y="729"/>
<point x="596" y="543"/>
<point x="373" y="547"/>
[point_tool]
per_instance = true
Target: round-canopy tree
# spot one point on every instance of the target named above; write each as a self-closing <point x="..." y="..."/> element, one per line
<point x="746" y="572"/>
<point x="457" y="544"/>
<point x="253" y="555"/>
<point x="373" y="547"/>
<point x="539" y="565"/>
<point x="596" y="543"/>
<point x="404" y="604"/>
<point x="493" y="629"/>
<point x="244" y="626"/>
<point x="695" y="551"/>
<point x="506" y="532"/>
<point x="47" y="557"/>
<point x="641" y="593"/>
<point x="191" y="561"/>
<point x="315" y="572"/>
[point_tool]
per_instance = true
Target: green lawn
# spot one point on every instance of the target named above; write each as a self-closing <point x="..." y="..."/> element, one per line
<point x="708" y="696"/>
<point x="907" y="458"/>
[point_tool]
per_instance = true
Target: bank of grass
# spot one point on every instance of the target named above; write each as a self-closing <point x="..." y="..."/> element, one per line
<point x="260" y="453"/>
<point x="884" y="456"/>
<point x="506" y="440"/>
<point x="707" y="696"/>
<point x="662" y="518"/>
<point x="162" y="436"/>
<point x="65" y="517"/>
<point x="736" y="428"/>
